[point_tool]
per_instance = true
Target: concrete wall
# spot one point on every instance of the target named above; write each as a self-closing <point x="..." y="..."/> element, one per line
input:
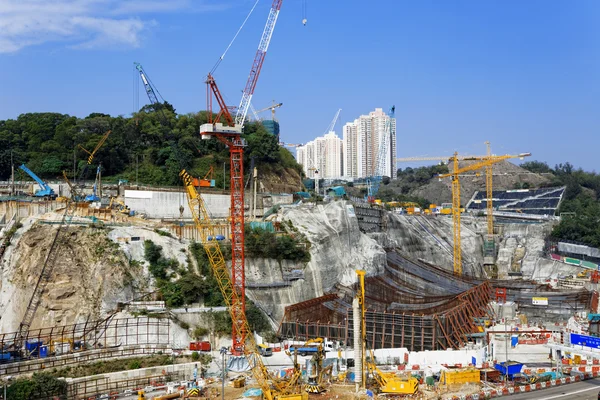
<point x="156" y="204"/>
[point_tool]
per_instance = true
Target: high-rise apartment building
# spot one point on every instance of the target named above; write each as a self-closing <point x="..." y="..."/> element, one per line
<point x="361" y="143"/>
<point x="323" y="154"/>
<point x="356" y="154"/>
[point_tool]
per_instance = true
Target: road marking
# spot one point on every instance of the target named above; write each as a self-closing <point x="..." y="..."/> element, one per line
<point x="570" y="393"/>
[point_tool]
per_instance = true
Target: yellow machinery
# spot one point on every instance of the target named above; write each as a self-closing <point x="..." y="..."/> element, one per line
<point x="460" y="376"/>
<point x="120" y="205"/>
<point x="315" y="383"/>
<point x="456" y="209"/>
<point x="93" y="152"/>
<point x="387" y="382"/>
<point x="272" y="388"/>
<point x="488" y="178"/>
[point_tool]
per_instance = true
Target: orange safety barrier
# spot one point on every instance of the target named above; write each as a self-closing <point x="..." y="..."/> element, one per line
<point x="415" y="367"/>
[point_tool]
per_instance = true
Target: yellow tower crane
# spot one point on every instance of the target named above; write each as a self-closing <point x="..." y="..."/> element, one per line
<point x="488" y="179"/>
<point x="272" y="388"/>
<point x="456" y="171"/>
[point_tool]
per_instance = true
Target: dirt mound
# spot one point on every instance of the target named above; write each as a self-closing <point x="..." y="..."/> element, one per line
<point x="506" y="176"/>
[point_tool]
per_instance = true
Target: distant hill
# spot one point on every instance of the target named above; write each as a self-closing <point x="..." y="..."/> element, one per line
<point x="506" y="176"/>
<point x="580" y="206"/>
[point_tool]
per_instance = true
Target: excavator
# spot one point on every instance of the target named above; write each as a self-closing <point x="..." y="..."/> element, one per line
<point x="389" y="382"/>
<point x="119" y="205"/>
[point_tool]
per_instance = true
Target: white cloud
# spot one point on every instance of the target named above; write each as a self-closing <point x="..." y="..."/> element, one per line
<point x="83" y="24"/>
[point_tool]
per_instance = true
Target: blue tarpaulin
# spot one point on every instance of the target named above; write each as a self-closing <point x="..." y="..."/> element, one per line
<point x="337" y="191"/>
<point x="254" y="392"/>
<point x="304" y="195"/>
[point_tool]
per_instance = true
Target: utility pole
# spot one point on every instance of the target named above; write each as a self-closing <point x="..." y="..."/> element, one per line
<point x="255" y="176"/>
<point x="12" y="179"/>
<point x="74" y="163"/>
<point x="136" y="170"/>
<point x="223" y="351"/>
<point x="224" y="175"/>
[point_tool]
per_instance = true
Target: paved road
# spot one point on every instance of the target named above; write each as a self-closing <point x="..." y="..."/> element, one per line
<point x="586" y="390"/>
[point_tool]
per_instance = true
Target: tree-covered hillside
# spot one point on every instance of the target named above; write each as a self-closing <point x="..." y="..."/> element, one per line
<point x="580" y="208"/>
<point x="48" y="143"/>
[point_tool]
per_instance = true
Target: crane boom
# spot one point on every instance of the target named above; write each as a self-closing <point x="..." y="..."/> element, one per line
<point x="259" y="58"/>
<point x="216" y="259"/>
<point x="147" y="86"/>
<point x="93" y="152"/>
<point x="45" y="189"/>
<point x="331" y="126"/>
<point x="487" y="161"/>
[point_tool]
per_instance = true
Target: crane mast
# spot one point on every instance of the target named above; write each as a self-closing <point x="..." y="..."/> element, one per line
<point x="229" y="133"/>
<point x="272" y="389"/>
<point x="488" y="160"/>
<point x="263" y="45"/>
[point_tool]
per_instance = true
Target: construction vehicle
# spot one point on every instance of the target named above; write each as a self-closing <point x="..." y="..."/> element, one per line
<point x="45" y="190"/>
<point x="120" y="206"/>
<point x="387" y="382"/>
<point x="273" y="389"/>
<point x="206" y="181"/>
<point x="456" y="206"/>
<point x="96" y="190"/>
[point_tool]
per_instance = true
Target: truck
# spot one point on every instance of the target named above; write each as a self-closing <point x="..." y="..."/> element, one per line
<point x="265" y="350"/>
<point x="45" y="190"/>
<point x="304" y="350"/>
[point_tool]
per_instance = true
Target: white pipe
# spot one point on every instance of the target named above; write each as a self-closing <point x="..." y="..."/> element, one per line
<point x="356" y="319"/>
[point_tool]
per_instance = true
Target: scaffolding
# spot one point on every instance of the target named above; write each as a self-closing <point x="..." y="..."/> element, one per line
<point x="449" y="325"/>
<point x="88" y="341"/>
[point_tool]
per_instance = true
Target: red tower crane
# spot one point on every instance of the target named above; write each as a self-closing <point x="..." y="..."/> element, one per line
<point x="229" y="133"/>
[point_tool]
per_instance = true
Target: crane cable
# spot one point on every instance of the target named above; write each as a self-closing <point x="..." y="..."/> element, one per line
<point x="232" y="40"/>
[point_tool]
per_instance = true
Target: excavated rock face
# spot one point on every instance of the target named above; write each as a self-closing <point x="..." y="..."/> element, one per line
<point x="431" y="239"/>
<point x="89" y="277"/>
<point x="337" y="249"/>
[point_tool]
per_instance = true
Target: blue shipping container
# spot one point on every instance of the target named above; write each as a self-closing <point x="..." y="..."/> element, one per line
<point x="513" y="367"/>
<point x="44" y="351"/>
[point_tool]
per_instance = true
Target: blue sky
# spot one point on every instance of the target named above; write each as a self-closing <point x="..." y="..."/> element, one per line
<point x="522" y="74"/>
